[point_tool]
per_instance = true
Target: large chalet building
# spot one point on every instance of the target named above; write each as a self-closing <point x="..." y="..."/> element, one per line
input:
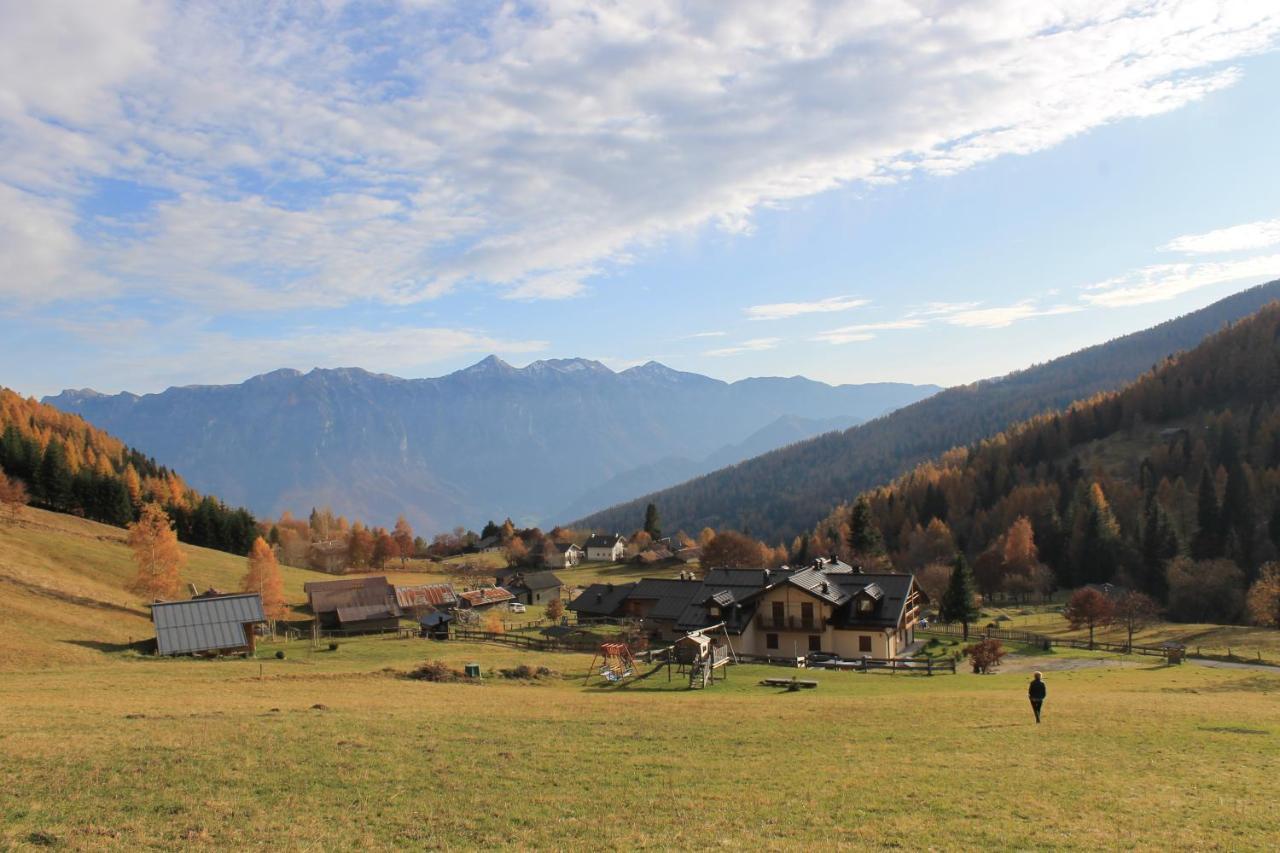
<point x="773" y="613"/>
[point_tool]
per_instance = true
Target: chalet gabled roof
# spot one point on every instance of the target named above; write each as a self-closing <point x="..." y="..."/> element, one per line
<point x="819" y="585"/>
<point x="426" y="595"/>
<point x="328" y="596"/>
<point x="486" y="595"/>
<point x="604" y="540"/>
<point x="530" y="580"/>
<point x="601" y="599"/>
<point x="889" y="591"/>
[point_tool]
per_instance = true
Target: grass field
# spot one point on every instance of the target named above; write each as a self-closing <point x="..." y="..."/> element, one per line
<point x="137" y="752"/>
<point x="103" y="748"/>
<point x="1240" y="640"/>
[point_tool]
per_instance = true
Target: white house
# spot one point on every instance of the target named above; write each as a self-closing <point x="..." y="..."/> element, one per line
<point x="606" y="548"/>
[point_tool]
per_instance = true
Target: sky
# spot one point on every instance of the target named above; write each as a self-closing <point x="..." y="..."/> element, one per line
<point x="926" y="191"/>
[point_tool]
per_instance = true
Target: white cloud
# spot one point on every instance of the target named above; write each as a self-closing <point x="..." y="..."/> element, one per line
<point x="319" y="160"/>
<point x="1006" y="315"/>
<point x="1253" y="235"/>
<point x="865" y="331"/>
<point x="697" y="335"/>
<point x="753" y="345"/>
<point x="1159" y="282"/>
<point x="784" y="310"/>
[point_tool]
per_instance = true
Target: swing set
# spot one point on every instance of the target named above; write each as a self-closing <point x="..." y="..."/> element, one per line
<point x="617" y="664"/>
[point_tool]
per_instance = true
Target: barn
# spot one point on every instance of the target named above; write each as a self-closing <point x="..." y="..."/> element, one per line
<point x="213" y="625"/>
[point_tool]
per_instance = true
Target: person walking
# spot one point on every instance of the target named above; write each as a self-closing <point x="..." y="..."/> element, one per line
<point x="1036" y="692"/>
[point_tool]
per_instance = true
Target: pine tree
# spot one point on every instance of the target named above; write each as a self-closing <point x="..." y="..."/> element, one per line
<point x="263" y="577"/>
<point x="1237" y="523"/>
<point x="866" y="543"/>
<point x="1207" y="542"/>
<point x="157" y="553"/>
<point x="958" y="602"/>
<point x="1159" y="546"/>
<point x="54" y="478"/>
<point x="652" y="521"/>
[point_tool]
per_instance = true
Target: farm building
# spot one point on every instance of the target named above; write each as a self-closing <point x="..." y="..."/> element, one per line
<point x="773" y="613"/>
<point x="215" y="624"/>
<point x="356" y="604"/>
<point x="426" y="598"/>
<point x="531" y="587"/>
<point x="563" y="556"/>
<point x="484" y="598"/>
<point x="606" y="548"/>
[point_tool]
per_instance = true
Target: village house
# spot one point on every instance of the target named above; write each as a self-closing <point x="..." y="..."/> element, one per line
<point x="606" y="548"/>
<point x="562" y="556"/>
<point x="328" y="556"/>
<point x="422" y="599"/>
<point x="780" y="613"/>
<point x="211" y="624"/>
<point x="488" y="545"/>
<point x="530" y="587"/>
<point x="355" y="604"/>
<point x="485" y="598"/>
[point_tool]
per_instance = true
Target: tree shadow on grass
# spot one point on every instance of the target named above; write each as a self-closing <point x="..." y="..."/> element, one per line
<point x="140" y="646"/>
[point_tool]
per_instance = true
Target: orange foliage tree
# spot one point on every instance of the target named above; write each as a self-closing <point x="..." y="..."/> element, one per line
<point x="263" y="577"/>
<point x="157" y="553"/>
<point x="403" y="536"/>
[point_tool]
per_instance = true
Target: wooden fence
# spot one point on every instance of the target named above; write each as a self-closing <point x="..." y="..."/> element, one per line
<point x="863" y="664"/>
<point x="524" y="641"/>
<point x="1044" y="642"/>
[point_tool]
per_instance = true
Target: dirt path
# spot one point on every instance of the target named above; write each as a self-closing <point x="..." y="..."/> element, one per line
<point x="1227" y="664"/>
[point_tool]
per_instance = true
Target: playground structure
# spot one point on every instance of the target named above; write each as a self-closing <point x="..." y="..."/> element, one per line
<point x="616" y="663"/>
<point x="699" y="654"/>
<point x="702" y="654"/>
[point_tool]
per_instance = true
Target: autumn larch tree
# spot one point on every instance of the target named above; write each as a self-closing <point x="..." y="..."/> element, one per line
<point x="263" y="577"/>
<point x="156" y="551"/>
<point x="958" y="601"/>
<point x="1263" y="601"/>
<point x="652" y="521"/>
<point x="384" y="547"/>
<point x="732" y="550"/>
<point x="1135" y="610"/>
<point x="1088" y="608"/>
<point x="555" y="609"/>
<point x="403" y="536"/>
<point x="13" y="497"/>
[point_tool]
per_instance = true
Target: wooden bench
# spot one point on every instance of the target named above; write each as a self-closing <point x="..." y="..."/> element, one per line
<point x="789" y="683"/>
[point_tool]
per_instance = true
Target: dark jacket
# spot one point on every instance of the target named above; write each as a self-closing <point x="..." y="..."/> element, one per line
<point x="1036" y="690"/>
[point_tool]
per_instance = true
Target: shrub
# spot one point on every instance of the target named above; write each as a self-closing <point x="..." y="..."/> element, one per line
<point x="333" y="647"/>
<point x="280" y="655"/>
<point x="436" y="670"/>
<point x="985" y="655"/>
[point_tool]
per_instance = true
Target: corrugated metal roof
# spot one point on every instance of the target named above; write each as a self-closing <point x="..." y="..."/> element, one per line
<point x="488" y="595"/>
<point x="205" y="624"/>
<point x="426" y="595"/>
<point x="328" y="596"/>
<point x="363" y="612"/>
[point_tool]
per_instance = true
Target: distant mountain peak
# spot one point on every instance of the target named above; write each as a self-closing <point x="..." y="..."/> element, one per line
<point x="568" y="365"/>
<point x="488" y="365"/>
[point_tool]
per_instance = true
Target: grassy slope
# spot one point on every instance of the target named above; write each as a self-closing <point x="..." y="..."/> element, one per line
<point x="1148" y="757"/>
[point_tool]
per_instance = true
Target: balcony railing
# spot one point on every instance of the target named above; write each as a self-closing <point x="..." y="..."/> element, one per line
<point x="767" y="622"/>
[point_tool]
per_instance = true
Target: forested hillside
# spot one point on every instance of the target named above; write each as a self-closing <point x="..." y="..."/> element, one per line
<point x="776" y="496"/>
<point x="68" y="466"/>
<point x="1171" y="484"/>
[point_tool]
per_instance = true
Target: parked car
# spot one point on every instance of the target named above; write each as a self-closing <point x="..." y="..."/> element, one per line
<point x="516" y="607"/>
<point x="821" y="658"/>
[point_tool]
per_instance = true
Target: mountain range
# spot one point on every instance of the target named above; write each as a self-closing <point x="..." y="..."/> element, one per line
<point x="783" y="493"/>
<point x="488" y="441"/>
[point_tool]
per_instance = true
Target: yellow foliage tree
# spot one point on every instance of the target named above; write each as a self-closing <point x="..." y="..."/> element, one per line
<point x="157" y="553"/>
<point x="1264" y="597"/>
<point x="264" y="578"/>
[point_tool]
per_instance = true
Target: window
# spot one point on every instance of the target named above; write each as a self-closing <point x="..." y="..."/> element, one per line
<point x="866" y="605"/>
<point x="864" y="643"/>
<point x="779" y="613"/>
<point x="770" y="641"/>
<point x="815" y="642"/>
<point x="806" y="613"/>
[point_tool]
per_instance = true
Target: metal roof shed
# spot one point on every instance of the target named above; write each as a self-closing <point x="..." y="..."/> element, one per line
<point x="217" y="624"/>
